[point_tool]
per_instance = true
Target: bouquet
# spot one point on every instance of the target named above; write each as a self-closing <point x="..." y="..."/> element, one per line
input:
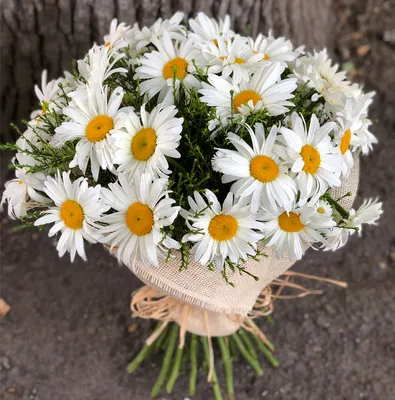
<point x="205" y="161"/>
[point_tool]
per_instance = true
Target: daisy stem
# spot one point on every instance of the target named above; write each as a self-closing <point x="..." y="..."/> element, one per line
<point x="233" y="349"/>
<point x="247" y="343"/>
<point x="166" y="361"/>
<point x="336" y="205"/>
<point x="193" y="374"/>
<point x="158" y="342"/>
<point x="175" y="371"/>
<point x="248" y="357"/>
<point x="138" y="359"/>
<point x="214" y="382"/>
<point x="142" y="355"/>
<point x="269" y="319"/>
<point x="176" y="165"/>
<point x="244" y="271"/>
<point x="266" y="352"/>
<point x="348" y="194"/>
<point x="224" y="347"/>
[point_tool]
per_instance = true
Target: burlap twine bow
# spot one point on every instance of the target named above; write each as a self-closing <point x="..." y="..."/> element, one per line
<point x="201" y="302"/>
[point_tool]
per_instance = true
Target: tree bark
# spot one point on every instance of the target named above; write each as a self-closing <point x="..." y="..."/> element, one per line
<point x="38" y="34"/>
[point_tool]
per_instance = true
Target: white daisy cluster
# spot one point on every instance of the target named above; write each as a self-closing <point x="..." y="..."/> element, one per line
<point x="189" y="137"/>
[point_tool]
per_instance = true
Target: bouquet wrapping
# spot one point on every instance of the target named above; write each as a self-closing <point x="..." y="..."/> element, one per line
<point x="206" y="161"/>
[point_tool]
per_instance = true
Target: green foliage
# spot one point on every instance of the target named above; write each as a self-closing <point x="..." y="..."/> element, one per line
<point x="192" y="173"/>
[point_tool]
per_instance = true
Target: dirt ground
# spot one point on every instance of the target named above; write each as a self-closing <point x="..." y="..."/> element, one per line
<point x="66" y="336"/>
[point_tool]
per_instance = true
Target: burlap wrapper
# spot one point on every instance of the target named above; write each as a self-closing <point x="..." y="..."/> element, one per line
<point x="207" y="290"/>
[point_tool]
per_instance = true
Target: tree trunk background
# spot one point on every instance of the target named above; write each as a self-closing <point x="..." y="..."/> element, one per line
<point x="49" y="34"/>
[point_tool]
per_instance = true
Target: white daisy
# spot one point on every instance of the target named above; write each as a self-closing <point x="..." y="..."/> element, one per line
<point x="315" y="161"/>
<point x="47" y="95"/>
<point x="291" y="232"/>
<point x="221" y="232"/>
<point x="206" y="29"/>
<point x="317" y="72"/>
<point x="368" y="213"/>
<point x="336" y="238"/>
<point x="264" y="90"/>
<point x="323" y="208"/>
<point x="142" y="210"/>
<point x="19" y="191"/>
<point x="117" y="33"/>
<point x="229" y="57"/>
<point x="27" y="142"/>
<point x="77" y="209"/>
<point x="353" y="133"/>
<point x="91" y="118"/>
<point x="258" y="171"/>
<point x="143" y="143"/>
<point x="99" y="63"/>
<point x="140" y="39"/>
<point x="271" y="49"/>
<point x="163" y="71"/>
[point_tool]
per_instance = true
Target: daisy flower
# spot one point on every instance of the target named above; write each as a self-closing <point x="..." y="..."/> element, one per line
<point x="229" y="57"/>
<point x="272" y="49"/>
<point x="19" y="191"/>
<point x="91" y="117"/>
<point x="264" y="90"/>
<point x="206" y="29"/>
<point x="221" y="232"/>
<point x="258" y="171"/>
<point x="76" y="211"/>
<point x="36" y="138"/>
<point x="323" y="208"/>
<point x="353" y="132"/>
<point x="117" y="33"/>
<point x="98" y="65"/>
<point x="336" y="238"/>
<point x="47" y="94"/>
<point x="315" y="161"/>
<point x="140" y="39"/>
<point x="316" y="70"/>
<point x="142" y="210"/>
<point x="368" y="213"/>
<point x="291" y="232"/>
<point x="143" y="143"/>
<point x="163" y="71"/>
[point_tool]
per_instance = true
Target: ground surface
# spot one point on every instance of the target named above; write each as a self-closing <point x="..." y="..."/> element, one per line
<point x="66" y="336"/>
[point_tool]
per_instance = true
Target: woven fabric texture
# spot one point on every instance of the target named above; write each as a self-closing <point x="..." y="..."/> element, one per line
<point x="208" y="290"/>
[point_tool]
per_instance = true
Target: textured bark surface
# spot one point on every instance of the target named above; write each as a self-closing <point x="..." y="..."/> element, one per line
<point x="38" y="34"/>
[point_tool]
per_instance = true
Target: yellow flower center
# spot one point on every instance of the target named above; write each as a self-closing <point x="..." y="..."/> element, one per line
<point x="345" y="141"/>
<point x="238" y="60"/>
<point x="215" y="41"/>
<point x="72" y="214"/>
<point x="264" y="168"/>
<point x="321" y="210"/>
<point x="223" y="227"/>
<point x="311" y="158"/>
<point x="244" y="97"/>
<point x="98" y="128"/>
<point x="108" y="44"/>
<point x="290" y="222"/>
<point x="177" y="67"/>
<point x="144" y="144"/>
<point x="265" y="56"/>
<point x="139" y="219"/>
<point x="20" y="181"/>
<point x="43" y="109"/>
